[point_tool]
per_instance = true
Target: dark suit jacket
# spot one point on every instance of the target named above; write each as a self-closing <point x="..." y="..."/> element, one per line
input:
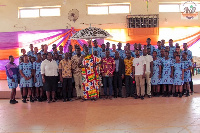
<point x="121" y="69"/>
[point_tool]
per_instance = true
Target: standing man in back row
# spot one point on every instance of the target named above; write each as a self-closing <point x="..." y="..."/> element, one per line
<point x="149" y="68"/>
<point x="121" y="52"/>
<point x="118" y="75"/>
<point x="152" y="48"/>
<point x="172" y="48"/>
<point x="97" y="48"/>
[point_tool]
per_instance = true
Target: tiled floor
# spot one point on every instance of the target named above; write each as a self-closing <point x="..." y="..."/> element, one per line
<point x="151" y="115"/>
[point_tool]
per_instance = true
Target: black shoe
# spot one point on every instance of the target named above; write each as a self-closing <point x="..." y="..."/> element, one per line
<point x="24" y="100"/>
<point x="187" y="93"/>
<point x="180" y="95"/>
<point x="119" y="95"/>
<point x="64" y="100"/>
<point x="149" y="96"/>
<point x="31" y="99"/>
<point x="176" y="95"/>
<point x="158" y="94"/>
<point x="15" y="101"/>
<point x="168" y="94"/>
<point x="136" y="97"/>
<point x="12" y="102"/>
<point x="165" y="94"/>
<point x="39" y="99"/>
<point x="142" y="97"/>
<point x="69" y="100"/>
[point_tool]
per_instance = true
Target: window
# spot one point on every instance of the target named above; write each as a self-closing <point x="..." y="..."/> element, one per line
<point x="105" y="9"/>
<point x="169" y="8"/>
<point x="176" y="7"/>
<point x="29" y="13"/>
<point x="50" y="12"/>
<point x="119" y="9"/>
<point x="36" y="12"/>
<point x="98" y="10"/>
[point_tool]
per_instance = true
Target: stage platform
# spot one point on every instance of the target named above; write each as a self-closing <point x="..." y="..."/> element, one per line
<point x="5" y="91"/>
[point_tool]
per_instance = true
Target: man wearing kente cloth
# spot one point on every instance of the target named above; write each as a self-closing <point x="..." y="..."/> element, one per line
<point x="90" y="76"/>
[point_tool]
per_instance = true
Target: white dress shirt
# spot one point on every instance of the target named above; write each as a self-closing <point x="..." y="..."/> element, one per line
<point x="139" y="65"/>
<point x="148" y="59"/>
<point x="49" y="68"/>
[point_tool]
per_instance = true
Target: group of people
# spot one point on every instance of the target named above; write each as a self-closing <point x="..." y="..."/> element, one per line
<point x="165" y="70"/>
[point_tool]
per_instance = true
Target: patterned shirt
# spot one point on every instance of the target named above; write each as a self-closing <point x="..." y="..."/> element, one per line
<point x="11" y="69"/>
<point x="30" y="53"/>
<point x="108" y="66"/>
<point x="121" y="53"/>
<point x="66" y="67"/>
<point x="171" y="51"/>
<point x="158" y="52"/>
<point x="75" y="68"/>
<point x="128" y="66"/>
<point x="152" y="48"/>
<point x="189" y="54"/>
<point x="98" y="49"/>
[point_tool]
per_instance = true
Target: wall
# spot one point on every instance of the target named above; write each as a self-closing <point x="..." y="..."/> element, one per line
<point x="9" y="15"/>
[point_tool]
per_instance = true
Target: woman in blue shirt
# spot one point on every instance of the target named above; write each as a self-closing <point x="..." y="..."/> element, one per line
<point x="178" y="76"/>
<point x="26" y="82"/>
<point x="167" y="74"/>
<point x="156" y="76"/>
<point x="187" y="72"/>
<point x="38" y="77"/>
<point x="12" y="78"/>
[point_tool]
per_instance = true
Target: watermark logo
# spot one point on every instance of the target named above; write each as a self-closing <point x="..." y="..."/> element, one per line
<point x="189" y="10"/>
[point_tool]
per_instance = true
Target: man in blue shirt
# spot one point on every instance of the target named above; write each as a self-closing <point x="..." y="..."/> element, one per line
<point x="97" y="48"/>
<point x="189" y="53"/>
<point x="133" y="52"/>
<point x="149" y="45"/>
<point x="162" y="44"/>
<point x="172" y="48"/>
<point x="121" y="52"/>
<point x="31" y="52"/>
<point x="103" y="50"/>
<point x="158" y="49"/>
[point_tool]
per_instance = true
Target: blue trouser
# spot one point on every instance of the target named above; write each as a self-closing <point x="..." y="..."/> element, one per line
<point x="107" y="80"/>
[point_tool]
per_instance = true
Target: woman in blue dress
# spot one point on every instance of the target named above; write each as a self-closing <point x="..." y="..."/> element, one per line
<point x="187" y="72"/>
<point x="12" y="78"/>
<point x="38" y="77"/>
<point x="178" y="76"/>
<point x="33" y="89"/>
<point x="35" y="53"/>
<point x="167" y="74"/>
<point x="26" y="82"/>
<point x="156" y="77"/>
